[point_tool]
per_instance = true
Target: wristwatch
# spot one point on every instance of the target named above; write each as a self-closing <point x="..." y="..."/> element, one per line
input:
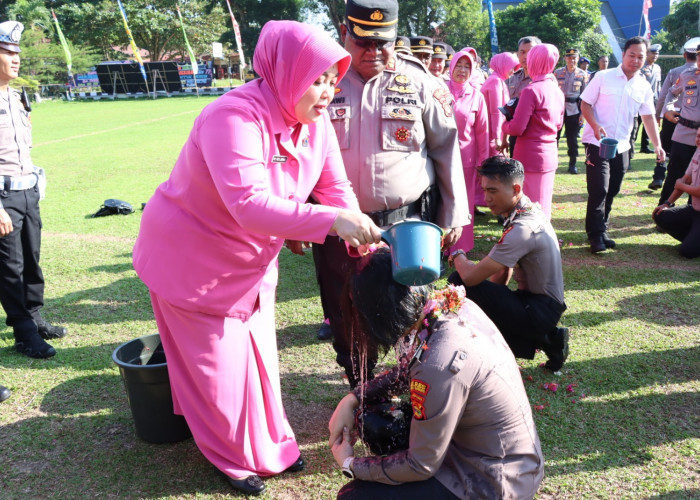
<point x="347" y="468"/>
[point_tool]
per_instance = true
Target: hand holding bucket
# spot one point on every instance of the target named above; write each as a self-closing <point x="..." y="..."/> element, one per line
<point x="415" y="251"/>
<point x="608" y="148"/>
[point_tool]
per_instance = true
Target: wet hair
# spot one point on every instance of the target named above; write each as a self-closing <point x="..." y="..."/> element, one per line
<point x="378" y="309"/>
<point x="502" y="169"/>
<point x="635" y="40"/>
<point x="529" y="39"/>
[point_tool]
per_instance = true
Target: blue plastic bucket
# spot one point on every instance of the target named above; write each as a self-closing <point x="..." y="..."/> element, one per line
<point x="415" y="251"/>
<point x="608" y="148"/>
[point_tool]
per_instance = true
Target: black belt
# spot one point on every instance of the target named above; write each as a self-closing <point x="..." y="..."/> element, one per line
<point x="571" y="99"/>
<point x="388" y="217"/>
<point x="688" y="123"/>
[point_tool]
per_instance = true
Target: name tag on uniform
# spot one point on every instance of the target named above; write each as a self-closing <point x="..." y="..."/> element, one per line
<point x="279" y="159"/>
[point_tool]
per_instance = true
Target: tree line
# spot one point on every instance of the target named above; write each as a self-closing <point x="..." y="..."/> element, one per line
<point x="95" y="32"/>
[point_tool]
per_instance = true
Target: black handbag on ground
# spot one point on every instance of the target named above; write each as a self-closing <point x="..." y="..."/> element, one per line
<point x="114" y="207"/>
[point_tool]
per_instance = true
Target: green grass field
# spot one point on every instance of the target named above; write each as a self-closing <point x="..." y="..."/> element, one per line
<point x="630" y="428"/>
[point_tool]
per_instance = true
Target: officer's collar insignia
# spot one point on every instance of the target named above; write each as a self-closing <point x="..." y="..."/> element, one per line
<point x="391" y="65"/>
<point x="338" y="90"/>
<point x="305" y="142"/>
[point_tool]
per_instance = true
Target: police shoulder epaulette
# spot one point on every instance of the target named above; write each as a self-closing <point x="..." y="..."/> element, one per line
<point x="414" y="63"/>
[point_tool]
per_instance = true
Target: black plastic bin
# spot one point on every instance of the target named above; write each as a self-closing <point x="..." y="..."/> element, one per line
<point x="145" y="373"/>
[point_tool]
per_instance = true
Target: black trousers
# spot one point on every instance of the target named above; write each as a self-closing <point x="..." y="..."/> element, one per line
<point x="666" y="135"/>
<point x="572" y="127"/>
<point x="333" y="266"/>
<point x="417" y="490"/>
<point x="681" y="154"/>
<point x="683" y="223"/>
<point x="524" y="319"/>
<point x="603" y="181"/>
<point x="21" y="279"/>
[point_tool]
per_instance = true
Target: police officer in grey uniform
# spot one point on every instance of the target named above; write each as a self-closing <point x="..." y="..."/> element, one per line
<point x="21" y="279"/>
<point x="422" y="49"/>
<point x="529" y="251"/>
<point x="470" y="424"/>
<point x="572" y="81"/>
<point x="403" y="45"/>
<point x="682" y="96"/>
<point x="520" y="79"/>
<point x="398" y="139"/>
<point x="652" y="72"/>
<point x="439" y="60"/>
<point x="668" y="127"/>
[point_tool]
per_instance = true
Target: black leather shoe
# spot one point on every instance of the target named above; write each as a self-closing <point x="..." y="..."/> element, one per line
<point x="29" y="343"/>
<point x="251" y="485"/>
<point x="297" y="466"/>
<point x="646" y="151"/>
<point x="557" y="349"/>
<point x="607" y="241"/>
<point x="49" y="331"/>
<point x="5" y="393"/>
<point x="325" y="332"/>
<point x="656" y="184"/>
<point x="597" y="244"/>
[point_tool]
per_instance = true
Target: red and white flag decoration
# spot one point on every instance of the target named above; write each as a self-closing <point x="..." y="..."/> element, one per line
<point x="237" y="33"/>
<point x="645" y="12"/>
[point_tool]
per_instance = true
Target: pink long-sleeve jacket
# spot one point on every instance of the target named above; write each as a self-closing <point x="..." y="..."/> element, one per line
<point x="238" y="189"/>
<point x="496" y="94"/>
<point x="539" y="114"/>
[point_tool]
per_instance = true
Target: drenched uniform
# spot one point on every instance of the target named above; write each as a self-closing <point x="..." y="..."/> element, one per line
<point x="472" y="431"/>
<point x="398" y="139"/>
<point x="21" y="279"/>
<point x="571" y="83"/>
<point x="683" y="95"/>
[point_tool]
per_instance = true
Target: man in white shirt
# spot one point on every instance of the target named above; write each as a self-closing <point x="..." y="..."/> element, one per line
<point x="609" y="105"/>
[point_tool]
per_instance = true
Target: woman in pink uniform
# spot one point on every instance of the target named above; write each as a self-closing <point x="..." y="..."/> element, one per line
<point x="538" y="116"/>
<point x="210" y="236"/>
<point x="472" y="129"/>
<point x="496" y="94"/>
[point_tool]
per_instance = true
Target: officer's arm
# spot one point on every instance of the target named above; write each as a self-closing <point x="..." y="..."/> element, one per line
<point x="472" y="273"/>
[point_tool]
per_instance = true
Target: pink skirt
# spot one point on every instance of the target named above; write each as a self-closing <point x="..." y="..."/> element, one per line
<point x="224" y="376"/>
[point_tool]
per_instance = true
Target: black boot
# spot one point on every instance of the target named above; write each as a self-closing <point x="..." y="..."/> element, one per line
<point x="556" y="348"/>
<point x="572" y="166"/>
<point x="29" y="342"/>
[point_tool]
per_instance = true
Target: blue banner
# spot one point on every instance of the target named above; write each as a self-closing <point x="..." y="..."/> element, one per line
<point x="492" y="29"/>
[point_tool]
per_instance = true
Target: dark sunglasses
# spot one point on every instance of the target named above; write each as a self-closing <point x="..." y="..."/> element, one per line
<point x="378" y="44"/>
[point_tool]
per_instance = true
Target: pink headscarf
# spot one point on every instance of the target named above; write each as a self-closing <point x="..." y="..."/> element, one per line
<point x="290" y="56"/>
<point x="502" y="63"/>
<point x="457" y="89"/>
<point x="541" y="61"/>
